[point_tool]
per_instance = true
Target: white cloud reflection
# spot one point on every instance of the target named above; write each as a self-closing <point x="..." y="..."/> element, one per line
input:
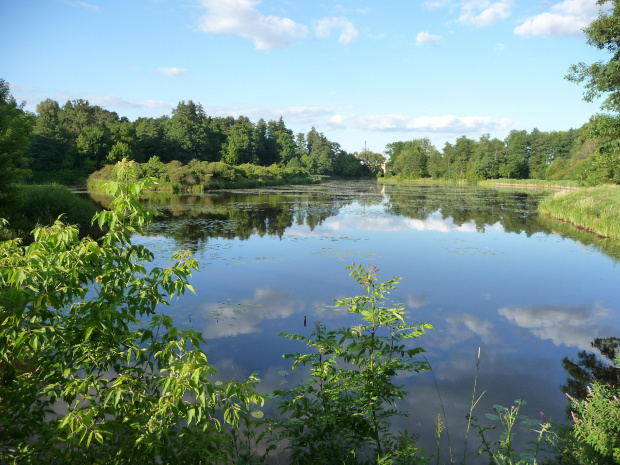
<point x="228" y="319"/>
<point x="394" y="224"/>
<point x="569" y="326"/>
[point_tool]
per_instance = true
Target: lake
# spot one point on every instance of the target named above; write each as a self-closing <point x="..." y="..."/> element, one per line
<point x="477" y="263"/>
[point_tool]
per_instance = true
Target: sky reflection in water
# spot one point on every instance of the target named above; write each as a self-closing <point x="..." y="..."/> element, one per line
<point x="476" y="263"/>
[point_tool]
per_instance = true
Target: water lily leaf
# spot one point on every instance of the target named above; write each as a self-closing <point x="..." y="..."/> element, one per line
<point x="283" y="372"/>
<point x="498" y="407"/>
<point x="490" y="416"/>
<point x="461" y="405"/>
<point x="257" y="414"/>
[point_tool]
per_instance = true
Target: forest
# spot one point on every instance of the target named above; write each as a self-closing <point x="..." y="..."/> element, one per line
<point x="79" y="138"/>
<point x="68" y="143"/>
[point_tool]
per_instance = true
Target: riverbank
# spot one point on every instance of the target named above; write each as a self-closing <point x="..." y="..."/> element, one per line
<point x="502" y="182"/>
<point x="594" y="209"/>
<point x="531" y="184"/>
<point x="197" y="177"/>
<point x="27" y="206"/>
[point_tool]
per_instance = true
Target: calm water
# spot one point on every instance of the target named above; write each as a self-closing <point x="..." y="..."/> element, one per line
<point x="478" y="264"/>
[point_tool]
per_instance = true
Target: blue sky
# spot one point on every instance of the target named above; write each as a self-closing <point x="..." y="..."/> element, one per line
<point x="359" y="71"/>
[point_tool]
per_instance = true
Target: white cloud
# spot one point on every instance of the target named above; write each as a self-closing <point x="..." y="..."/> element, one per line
<point x="323" y="28"/>
<point x="242" y="18"/>
<point x="445" y="124"/>
<point x="173" y="72"/>
<point x="500" y="47"/>
<point x="424" y="38"/>
<point x="481" y="13"/>
<point x="569" y="326"/>
<point x="565" y="19"/>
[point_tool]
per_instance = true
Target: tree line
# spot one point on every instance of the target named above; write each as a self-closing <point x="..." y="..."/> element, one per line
<point x="81" y="136"/>
<point x="553" y="155"/>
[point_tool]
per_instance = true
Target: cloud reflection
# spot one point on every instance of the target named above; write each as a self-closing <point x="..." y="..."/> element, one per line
<point x="395" y="224"/>
<point x="569" y="326"/>
<point x="228" y="319"/>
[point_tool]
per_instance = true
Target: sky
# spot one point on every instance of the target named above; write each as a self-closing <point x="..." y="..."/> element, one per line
<point x="365" y="73"/>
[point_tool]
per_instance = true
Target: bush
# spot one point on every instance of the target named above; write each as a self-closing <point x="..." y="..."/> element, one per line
<point x="89" y="371"/>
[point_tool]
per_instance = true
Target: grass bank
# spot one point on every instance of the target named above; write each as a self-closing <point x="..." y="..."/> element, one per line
<point x="27" y="206"/>
<point x="531" y="183"/>
<point x="594" y="209"/>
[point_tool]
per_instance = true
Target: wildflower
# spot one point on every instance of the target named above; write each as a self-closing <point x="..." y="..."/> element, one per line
<point x="543" y="417"/>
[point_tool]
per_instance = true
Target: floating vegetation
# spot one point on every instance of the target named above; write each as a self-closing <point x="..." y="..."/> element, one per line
<point x="472" y="251"/>
<point x="342" y="254"/>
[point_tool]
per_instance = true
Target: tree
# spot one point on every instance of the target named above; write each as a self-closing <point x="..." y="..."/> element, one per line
<point x="603" y="79"/>
<point x="15" y="128"/>
<point x="516" y="162"/>
<point x="80" y="334"/>
<point x="51" y="146"/>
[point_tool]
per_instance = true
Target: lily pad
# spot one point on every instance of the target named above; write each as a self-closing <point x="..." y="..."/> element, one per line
<point x="257" y="414"/>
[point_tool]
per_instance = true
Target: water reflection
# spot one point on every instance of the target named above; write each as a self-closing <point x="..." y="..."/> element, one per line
<point x="478" y="264"/>
<point x="233" y="319"/>
<point x="569" y="326"/>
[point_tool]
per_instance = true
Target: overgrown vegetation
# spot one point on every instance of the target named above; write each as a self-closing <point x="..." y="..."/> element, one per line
<point x="198" y="176"/>
<point x="92" y="372"/>
<point x="595" y="209"/>
<point x="29" y="206"/>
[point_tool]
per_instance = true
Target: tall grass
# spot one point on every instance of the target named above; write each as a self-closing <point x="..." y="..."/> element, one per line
<point x="27" y="206"/>
<point x="541" y="183"/>
<point x="595" y="209"/>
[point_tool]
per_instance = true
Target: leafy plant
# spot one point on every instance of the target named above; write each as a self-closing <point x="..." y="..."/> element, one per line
<point x="85" y="376"/>
<point x="503" y="451"/>
<point x="341" y="414"/>
<point x="595" y="436"/>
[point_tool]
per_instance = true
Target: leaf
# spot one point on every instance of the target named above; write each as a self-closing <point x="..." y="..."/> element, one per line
<point x="257" y="414"/>
<point x="490" y="416"/>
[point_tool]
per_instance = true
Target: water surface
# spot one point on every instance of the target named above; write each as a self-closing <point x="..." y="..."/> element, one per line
<point x="477" y="263"/>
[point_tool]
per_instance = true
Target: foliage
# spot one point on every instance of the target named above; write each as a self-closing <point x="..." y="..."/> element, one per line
<point x="29" y="206"/>
<point x="503" y="451"/>
<point x="341" y="414"/>
<point x="589" y="366"/>
<point x="15" y="128"/>
<point x="594" y="438"/>
<point x="597" y="422"/>
<point x="201" y="175"/>
<point x="85" y="376"/>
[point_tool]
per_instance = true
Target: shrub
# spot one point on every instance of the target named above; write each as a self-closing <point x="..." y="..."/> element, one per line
<point x="89" y="371"/>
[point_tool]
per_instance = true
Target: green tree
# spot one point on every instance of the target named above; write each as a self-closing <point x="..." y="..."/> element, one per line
<point x="516" y="162"/>
<point x="15" y="128"/>
<point x="90" y="371"/>
<point x="51" y="146"/>
<point x="187" y="134"/>
<point x="602" y="79"/>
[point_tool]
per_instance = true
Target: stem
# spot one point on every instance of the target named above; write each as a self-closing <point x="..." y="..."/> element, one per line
<point x="473" y="404"/>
